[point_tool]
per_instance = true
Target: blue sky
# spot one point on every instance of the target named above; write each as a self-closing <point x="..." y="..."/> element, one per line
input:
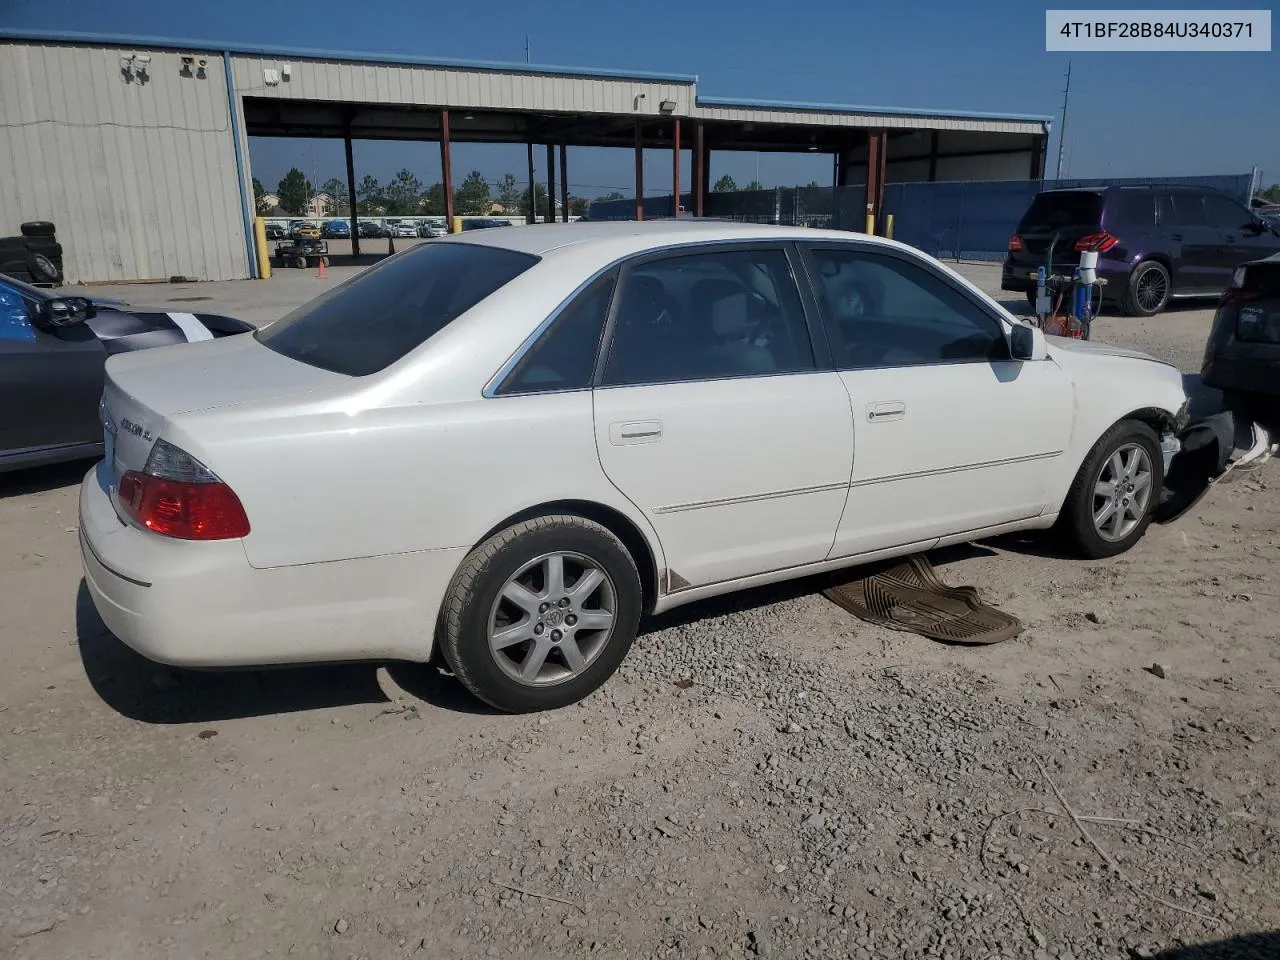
<point x="1132" y="114"/>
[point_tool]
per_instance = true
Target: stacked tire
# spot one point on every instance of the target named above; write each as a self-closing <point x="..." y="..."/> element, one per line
<point x="33" y="257"/>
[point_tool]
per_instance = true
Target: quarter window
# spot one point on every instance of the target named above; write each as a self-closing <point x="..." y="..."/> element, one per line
<point x="885" y="311"/>
<point x="708" y="316"/>
<point x="564" y="357"/>
<point x="1226" y="214"/>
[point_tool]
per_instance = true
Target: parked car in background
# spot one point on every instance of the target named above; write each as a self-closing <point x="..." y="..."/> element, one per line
<point x="274" y="231"/>
<point x="484" y="223"/>
<point x="304" y="230"/>
<point x="1242" y="357"/>
<point x="53" y="351"/>
<point x="402" y="228"/>
<point x="371" y="228"/>
<point x="1154" y="242"/>
<point x="336" y="230"/>
<point x="345" y="473"/>
<point x="433" y="227"/>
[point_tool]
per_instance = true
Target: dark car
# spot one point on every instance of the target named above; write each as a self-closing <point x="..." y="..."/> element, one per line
<point x="370" y="229"/>
<point x="274" y="231"/>
<point x="1154" y="242"/>
<point x="484" y="223"/>
<point x="53" y="351"/>
<point x="336" y="230"/>
<point x="1242" y="357"/>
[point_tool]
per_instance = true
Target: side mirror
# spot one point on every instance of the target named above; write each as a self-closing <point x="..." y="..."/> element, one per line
<point x="1027" y="342"/>
<point x="65" y="312"/>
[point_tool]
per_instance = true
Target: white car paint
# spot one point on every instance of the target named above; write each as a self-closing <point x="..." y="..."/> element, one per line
<point x="366" y="493"/>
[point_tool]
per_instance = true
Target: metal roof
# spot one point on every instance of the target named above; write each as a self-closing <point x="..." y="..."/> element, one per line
<point x="305" y="53"/>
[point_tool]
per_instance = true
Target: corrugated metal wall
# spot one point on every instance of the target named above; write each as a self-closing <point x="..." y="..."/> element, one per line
<point x="139" y="177"/>
<point x="347" y="81"/>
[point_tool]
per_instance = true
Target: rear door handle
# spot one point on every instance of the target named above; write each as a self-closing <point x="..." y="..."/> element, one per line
<point x="882" y="412"/>
<point x="635" y="431"/>
<point x="1177" y="237"/>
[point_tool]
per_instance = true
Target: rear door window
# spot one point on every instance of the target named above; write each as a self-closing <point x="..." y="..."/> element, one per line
<point x="1188" y="210"/>
<point x="372" y="320"/>
<point x="1062" y="208"/>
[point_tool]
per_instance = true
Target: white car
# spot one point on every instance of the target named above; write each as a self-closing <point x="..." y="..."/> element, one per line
<point x="505" y="447"/>
<point x="403" y="228"/>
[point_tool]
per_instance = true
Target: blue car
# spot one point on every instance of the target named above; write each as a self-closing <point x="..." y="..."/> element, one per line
<point x="337" y="230"/>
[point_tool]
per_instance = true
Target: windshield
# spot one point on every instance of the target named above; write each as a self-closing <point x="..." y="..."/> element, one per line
<point x="1066" y="208"/>
<point x="372" y="320"/>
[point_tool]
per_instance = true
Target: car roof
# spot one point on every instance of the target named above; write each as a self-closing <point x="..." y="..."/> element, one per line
<point x="541" y="239"/>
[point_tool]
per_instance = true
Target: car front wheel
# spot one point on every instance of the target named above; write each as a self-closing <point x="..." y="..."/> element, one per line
<point x="1115" y="493"/>
<point x="541" y="614"/>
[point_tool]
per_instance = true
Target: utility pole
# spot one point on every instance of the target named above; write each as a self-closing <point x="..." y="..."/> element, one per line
<point x="1062" y="130"/>
<point x="527" y="54"/>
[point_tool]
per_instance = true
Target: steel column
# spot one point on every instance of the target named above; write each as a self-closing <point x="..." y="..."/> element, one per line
<point x="675" y="166"/>
<point x="532" y="212"/>
<point x="248" y="204"/>
<point x="639" y="172"/>
<point x="564" y="182"/>
<point x="446" y="170"/>
<point x="551" y="184"/>
<point x="875" y="172"/>
<point x="351" y="195"/>
<point x="699" y="168"/>
<point x="1037" y="157"/>
<point x="933" y="156"/>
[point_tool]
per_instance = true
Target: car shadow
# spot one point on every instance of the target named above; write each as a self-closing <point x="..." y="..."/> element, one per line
<point x="1248" y="946"/>
<point x="42" y="479"/>
<point x="150" y="692"/>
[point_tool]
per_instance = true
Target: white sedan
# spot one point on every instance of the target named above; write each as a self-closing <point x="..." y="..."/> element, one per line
<point x="504" y="448"/>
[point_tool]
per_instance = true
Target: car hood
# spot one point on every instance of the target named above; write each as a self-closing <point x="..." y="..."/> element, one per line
<point x="1072" y="345"/>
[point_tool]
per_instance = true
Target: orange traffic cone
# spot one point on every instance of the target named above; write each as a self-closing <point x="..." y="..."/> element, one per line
<point x="322" y="261"/>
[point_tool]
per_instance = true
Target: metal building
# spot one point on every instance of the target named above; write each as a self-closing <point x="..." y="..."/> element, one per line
<point x="137" y="147"/>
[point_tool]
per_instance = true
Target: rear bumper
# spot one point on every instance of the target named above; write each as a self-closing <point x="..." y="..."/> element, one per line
<point x="202" y="604"/>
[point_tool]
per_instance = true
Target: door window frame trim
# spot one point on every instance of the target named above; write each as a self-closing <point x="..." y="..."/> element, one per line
<point x="807" y="249"/>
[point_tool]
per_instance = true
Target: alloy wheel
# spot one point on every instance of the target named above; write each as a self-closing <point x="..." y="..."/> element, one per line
<point x="1122" y="492"/>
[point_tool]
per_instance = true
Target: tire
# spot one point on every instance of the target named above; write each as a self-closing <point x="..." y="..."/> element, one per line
<point x="43" y="269"/>
<point x="522" y="553"/>
<point x="50" y="248"/>
<point x="37" y="228"/>
<point x="1139" y="300"/>
<point x="13" y="248"/>
<point x="17" y="273"/>
<point x="1077" y="519"/>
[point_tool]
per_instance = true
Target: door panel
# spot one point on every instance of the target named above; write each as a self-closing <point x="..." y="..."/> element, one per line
<point x="738" y="477"/>
<point x="967" y="446"/>
<point x="49" y="389"/>
<point x="1194" y="243"/>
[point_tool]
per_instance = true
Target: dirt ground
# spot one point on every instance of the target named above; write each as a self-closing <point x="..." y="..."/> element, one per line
<point x="765" y="777"/>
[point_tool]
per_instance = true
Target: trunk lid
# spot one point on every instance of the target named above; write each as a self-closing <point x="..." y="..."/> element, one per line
<point x="145" y="390"/>
<point x="1067" y="215"/>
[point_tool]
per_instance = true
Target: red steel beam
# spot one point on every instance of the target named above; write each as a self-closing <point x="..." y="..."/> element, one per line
<point x="639" y="172"/>
<point x="699" y="168"/>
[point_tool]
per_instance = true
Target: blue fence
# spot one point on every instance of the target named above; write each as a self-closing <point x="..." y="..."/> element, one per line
<point x="970" y="220"/>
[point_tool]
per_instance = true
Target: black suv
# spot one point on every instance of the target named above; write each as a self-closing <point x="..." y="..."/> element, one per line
<point x="1154" y="242"/>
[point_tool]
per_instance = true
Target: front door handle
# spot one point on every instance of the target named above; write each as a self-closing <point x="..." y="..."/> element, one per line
<point x="635" y="431"/>
<point x="881" y="412"/>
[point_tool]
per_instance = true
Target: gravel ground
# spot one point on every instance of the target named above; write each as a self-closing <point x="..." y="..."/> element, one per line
<point x="766" y="776"/>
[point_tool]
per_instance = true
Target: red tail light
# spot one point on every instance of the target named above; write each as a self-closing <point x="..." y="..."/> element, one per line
<point x="178" y="496"/>
<point x="1015" y="243"/>
<point x="1102" y="242"/>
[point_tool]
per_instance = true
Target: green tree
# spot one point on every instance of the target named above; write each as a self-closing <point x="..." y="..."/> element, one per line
<point x="403" y="194"/>
<point x="259" y="193"/>
<point x="578" y="206"/>
<point x="509" y="193"/>
<point x="812" y="185"/>
<point x="369" y="197"/>
<point x="338" y="190"/>
<point x="754" y="185"/>
<point x="725" y="184"/>
<point x="293" y="191"/>
<point x="433" y="200"/>
<point x="1271" y="194"/>
<point x="539" y="197"/>
<point x="472" y="198"/>
<point x="614" y="195"/>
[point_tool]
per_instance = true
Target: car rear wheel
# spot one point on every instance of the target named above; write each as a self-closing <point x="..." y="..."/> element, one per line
<point x="1115" y="493"/>
<point x="1148" y="291"/>
<point x="541" y="614"/>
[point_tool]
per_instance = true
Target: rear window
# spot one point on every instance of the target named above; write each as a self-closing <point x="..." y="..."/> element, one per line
<point x="372" y="320"/>
<point x="1070" y="208"/>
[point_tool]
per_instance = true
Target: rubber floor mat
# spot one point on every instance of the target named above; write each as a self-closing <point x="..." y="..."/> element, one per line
<point x="909" y="596"/>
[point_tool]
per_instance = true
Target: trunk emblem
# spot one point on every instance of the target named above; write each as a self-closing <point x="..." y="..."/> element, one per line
<point x="137" y="430"/>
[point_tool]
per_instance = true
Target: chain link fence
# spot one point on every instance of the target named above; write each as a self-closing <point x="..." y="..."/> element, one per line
<point x="969" y="220"/>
